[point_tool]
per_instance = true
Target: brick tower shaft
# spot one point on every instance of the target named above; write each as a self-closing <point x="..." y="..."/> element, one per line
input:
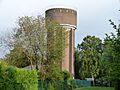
<point x="68" y="19"/>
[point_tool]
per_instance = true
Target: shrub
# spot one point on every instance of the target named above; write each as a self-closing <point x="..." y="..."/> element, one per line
<point x="51" y="86"/>
<point x="66" y="75"/>
<point x="12" y="78"/>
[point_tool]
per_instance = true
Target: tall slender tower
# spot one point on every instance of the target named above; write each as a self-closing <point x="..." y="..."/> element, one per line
<point x="68" y="19"/>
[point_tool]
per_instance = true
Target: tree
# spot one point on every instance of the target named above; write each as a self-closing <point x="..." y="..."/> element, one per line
<point x="56" y="36"/>
<point x="113" y="56"/>
<point x="29" y="37"/>
<point x="39" y="45"/>
<point x="106" y="60"/>
<point x="17" y="58"/>
<point x="77" y="63"/>
<point x="90" y="56"/>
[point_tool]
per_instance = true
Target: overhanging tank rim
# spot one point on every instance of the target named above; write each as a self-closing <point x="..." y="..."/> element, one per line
<point x="52" y="8"/>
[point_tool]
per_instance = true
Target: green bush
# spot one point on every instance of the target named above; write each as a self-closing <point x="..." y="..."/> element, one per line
<point x="66" y="75"/>
<point x="12" y="78"/>
<point x="51" y="86"/>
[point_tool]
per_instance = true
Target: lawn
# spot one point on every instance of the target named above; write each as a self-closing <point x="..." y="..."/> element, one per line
<point x="95" y="88"/>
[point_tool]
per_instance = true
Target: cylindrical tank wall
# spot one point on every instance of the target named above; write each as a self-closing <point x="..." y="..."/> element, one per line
<point x="62" y="15"/>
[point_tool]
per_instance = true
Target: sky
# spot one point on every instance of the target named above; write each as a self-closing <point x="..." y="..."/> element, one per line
<point x="92" y="15"/>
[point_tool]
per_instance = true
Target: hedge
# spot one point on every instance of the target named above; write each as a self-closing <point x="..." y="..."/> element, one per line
<point x="12" y="78"/>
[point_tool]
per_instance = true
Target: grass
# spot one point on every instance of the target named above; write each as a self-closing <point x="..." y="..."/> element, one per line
<point x="95" y="88"/>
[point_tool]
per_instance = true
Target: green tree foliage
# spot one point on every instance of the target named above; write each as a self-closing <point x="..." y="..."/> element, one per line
<point x="56" y="36"/>
<point x="107" y="59"/>
<point x="38" y="44"/>
<point x="66" y="75"/>
<point x="90" y="56"/>
<point x="112" y="55"/>
<point x="31" y="35"/>
<point x="27" y="46"/>
<point x="12" y="78"/>
<point x="17" y="55"/>
<point x="77" y="63"/>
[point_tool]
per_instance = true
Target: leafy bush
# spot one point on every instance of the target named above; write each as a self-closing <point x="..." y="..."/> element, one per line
<point x="12" y="78"/>
<point x="66" y="75"/>
<point x="51" y="86"/>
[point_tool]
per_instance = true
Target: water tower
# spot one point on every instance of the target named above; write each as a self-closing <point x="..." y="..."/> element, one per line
<point x="67" y="17"/>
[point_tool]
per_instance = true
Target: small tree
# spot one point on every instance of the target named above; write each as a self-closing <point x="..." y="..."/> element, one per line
<point x="90" y="56"/>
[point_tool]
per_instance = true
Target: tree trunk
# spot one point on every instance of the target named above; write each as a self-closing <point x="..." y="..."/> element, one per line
<point x="93" y="82"/>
